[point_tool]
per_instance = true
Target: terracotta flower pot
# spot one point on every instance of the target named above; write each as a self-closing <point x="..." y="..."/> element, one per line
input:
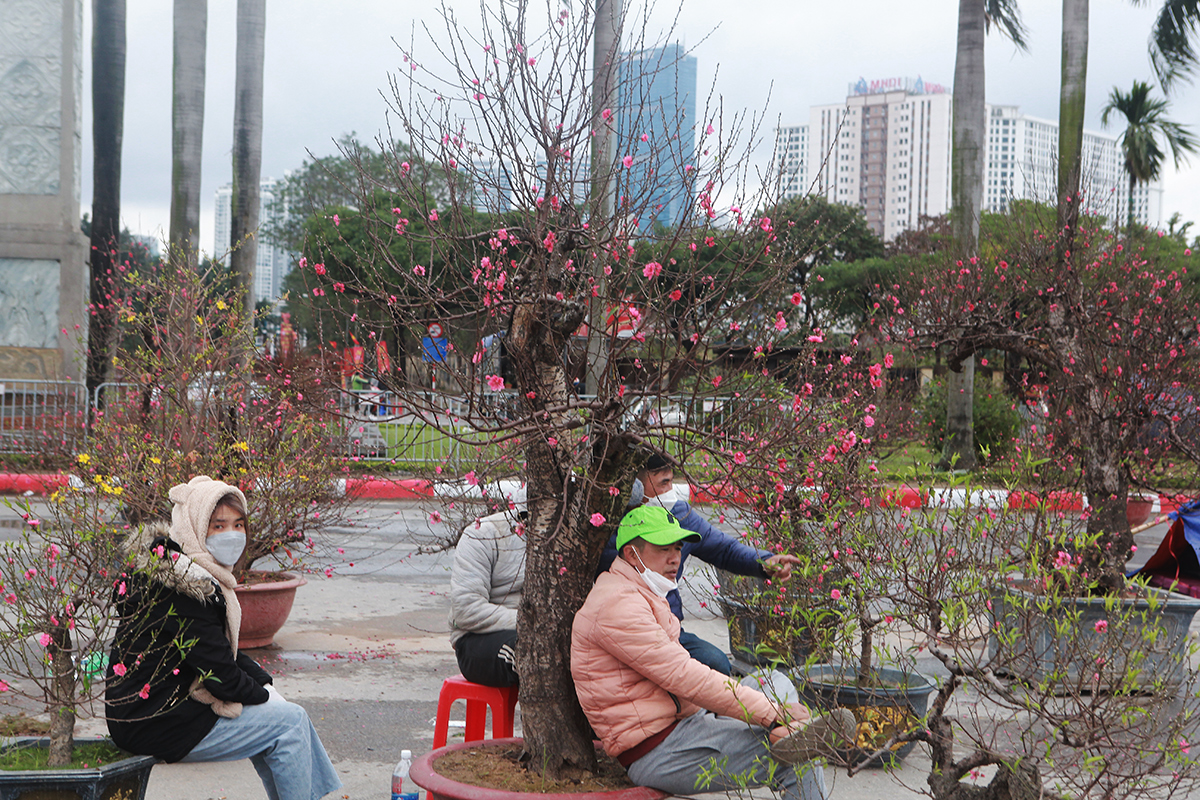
<point x="1137" y="509"/>
<point x="265" y="607"/>
<point x="439" y="787"/>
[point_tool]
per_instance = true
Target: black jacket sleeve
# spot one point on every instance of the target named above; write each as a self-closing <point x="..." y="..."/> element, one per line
<point x="252" y="668"/>
<point x="207" y="651"/>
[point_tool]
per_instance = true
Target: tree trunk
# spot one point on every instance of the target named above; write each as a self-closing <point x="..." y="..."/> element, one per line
<point x="108" y="124"/>
<point x="62" y="698"/>
<point x="1072" y="100"/>
<point x="605" y="49"/>
<point x="960" y="418"/>
<point x="247" y="146"/>
<point x="556" y="582"/>
<point x="1107" y="489"/>
<point x="968" y="163"/>
<point x="1132" y="186"/>
<point x="187" y="127"/>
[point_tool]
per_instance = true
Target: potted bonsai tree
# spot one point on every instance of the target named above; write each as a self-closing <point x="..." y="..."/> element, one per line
<point x="60" y="578"/>
<point x="189" y="395"/>
<point x="1091" y="722"/>
<point x="582" y="327"/>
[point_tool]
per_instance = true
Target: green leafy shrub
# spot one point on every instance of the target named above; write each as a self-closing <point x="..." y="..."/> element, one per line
<point x="997" y="421"/>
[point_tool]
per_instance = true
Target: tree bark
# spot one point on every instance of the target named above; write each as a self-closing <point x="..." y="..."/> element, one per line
<point x="1132" y="186"/>
<point x="1107" y="488"/>
<point x="108" y="126"/>
<point x="556" y="583"/>
<point x="1072" y="100"/>
<point x="62" y="697"/>
<point x="247" y="147"/>
<point x="187" y="127"/>
<point x="968" y="163"/>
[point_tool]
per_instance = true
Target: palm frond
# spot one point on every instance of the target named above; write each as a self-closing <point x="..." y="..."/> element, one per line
<point x="1006" y="15"/>
<point x="1172" y="51"/>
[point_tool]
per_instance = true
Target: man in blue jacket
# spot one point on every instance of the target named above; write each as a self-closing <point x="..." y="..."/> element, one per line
<point x="715" y="547"/>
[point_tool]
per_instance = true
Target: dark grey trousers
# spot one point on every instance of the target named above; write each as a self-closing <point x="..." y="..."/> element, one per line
<point x="709" y="753"/>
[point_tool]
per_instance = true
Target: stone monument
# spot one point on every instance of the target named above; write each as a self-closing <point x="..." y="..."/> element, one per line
<point x="43" y="279"/>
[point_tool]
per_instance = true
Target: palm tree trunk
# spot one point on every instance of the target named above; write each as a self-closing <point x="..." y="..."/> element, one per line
<point x="1130" y="221"/>
<point x="1071" y="103"/>
<point x="605" y="49"/>
<point x="187" y="127"/>
<point x="247" y="146"/>
<point x="108" y="126"/>
<point x="968" y="163"/>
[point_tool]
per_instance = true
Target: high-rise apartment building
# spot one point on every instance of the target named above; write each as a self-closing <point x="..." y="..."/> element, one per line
<point x="887" y="150"/>
<point x="1023" y="164"/>
<point x="656" y="122"/>
<point x="271" y="263"/>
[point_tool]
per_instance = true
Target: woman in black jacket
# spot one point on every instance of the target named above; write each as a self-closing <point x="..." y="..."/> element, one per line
<point x="178" y="687"/>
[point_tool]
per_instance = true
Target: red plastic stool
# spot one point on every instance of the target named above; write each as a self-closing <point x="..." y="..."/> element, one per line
<point x="502" y="700"/>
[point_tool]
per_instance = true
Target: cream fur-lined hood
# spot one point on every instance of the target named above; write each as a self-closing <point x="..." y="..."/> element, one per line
<point x="172" y="569"/>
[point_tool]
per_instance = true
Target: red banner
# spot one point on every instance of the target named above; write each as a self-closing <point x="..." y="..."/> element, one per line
<point x="383" y="362"/>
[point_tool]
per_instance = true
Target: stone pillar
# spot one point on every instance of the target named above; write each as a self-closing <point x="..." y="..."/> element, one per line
<point x="43" y="278"/>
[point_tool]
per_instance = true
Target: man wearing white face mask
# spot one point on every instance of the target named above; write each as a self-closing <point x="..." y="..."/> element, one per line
<point x="673" y="723"/>
<point x="655" y="484"/>
<point x="178" y="688"/>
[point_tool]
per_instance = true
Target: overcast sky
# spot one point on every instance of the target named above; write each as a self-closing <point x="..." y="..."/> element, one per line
<point x="328" y="62"/>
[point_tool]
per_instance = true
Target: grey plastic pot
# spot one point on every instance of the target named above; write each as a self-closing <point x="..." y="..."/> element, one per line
<point x="827" y="686"/>
<point x="1069" y="642"/>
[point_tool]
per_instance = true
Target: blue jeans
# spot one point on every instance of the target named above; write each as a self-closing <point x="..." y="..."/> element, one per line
<point x="709" y="753"/>
<point x="281" y="743"/>
<point x="707" y="654"/>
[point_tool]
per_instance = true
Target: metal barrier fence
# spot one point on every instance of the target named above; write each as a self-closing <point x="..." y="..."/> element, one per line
<point x="50" y="417"/>
<point x="379" y="428"/>
<point x="42" y="417"/>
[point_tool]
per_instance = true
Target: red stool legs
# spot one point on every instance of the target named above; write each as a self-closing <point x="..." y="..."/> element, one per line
<point x="503" y="700"/>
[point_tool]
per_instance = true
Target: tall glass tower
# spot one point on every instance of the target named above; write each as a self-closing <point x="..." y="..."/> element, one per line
<point x="656" y="99"/>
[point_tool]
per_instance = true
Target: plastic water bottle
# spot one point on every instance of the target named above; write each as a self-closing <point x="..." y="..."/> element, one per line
<point x="400" y="773"/>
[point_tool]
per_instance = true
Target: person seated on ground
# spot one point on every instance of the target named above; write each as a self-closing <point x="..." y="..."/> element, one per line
<point x="178" y="688"/>
<point x="485" y="591"/>
<point x="656" y="483"/>
<point x="663" y="714"/>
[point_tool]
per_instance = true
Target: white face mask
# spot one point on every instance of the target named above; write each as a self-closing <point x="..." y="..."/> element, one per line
<point x="226" y="547"/>
<point x="661" y="585"/>
<point x="666" y="499"/>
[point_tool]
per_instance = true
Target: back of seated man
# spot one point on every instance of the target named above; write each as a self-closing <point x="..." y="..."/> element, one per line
<point x="664" y="715"/>
<point x="485" y="591"/>
<point x="712" y="545"/>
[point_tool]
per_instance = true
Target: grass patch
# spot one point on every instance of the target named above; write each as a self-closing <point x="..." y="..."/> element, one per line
<point x="34" y="757"/>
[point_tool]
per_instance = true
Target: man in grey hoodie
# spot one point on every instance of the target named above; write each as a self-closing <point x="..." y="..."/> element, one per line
<point x="485" y="590"/>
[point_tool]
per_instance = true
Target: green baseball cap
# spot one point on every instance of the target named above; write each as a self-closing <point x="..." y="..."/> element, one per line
<point x="654" y="524"/>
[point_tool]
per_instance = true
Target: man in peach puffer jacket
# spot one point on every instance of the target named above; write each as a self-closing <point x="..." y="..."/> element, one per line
<point x="665" y="716"/>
